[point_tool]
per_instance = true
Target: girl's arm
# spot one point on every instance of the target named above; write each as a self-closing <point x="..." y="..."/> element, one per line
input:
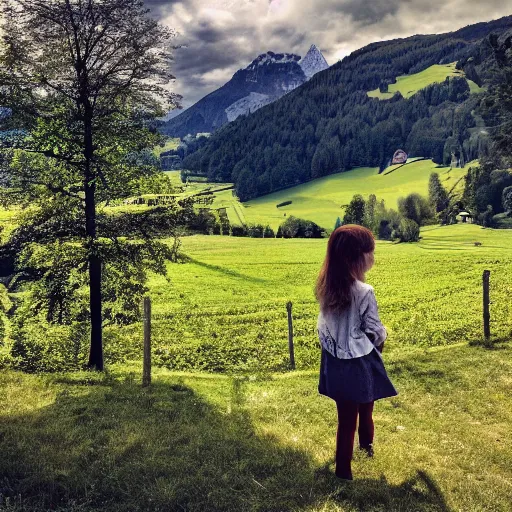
<point x="371" y="324"/>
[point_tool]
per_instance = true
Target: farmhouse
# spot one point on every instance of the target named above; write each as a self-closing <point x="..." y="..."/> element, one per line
<point x="400" y="157"/>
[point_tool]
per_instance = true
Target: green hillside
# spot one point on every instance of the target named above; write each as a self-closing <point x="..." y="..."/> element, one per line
<point x="408" y="85"/>
<point x="170" y="143"/>
<point x="321" y="200"/>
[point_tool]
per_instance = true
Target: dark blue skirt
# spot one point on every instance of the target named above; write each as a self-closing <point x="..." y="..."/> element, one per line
<point x="362" y="380"/>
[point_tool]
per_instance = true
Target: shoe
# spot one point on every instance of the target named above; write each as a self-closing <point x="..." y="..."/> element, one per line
<point x="368" y="449"/>
<point x="344" y="476"/>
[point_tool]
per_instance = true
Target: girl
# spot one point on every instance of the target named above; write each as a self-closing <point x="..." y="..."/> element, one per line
<point x="352" y="337"/>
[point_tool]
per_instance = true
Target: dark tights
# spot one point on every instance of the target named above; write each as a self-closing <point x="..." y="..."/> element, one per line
<point x="347" y="421"/>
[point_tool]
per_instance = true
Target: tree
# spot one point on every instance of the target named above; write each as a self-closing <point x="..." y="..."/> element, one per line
<point x="437" y="195"/>
<point x="507" y="200"/>
<point x="369" y="220"/>
<point x="337" y="224"/>
<point x="354" y="214"/>
<point x="415" y="207"/>
<point x="408" y="231"/>
<point x="83" y="81"/>
<point x="497" y="105"/>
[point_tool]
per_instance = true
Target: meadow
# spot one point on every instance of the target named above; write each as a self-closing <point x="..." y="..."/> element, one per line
<point x="224" y="310"/>
<point x="408" y="85"/>
<point x="226" y="427"/>
<point x="244" y="436"/>
<point x="324" y="199"/>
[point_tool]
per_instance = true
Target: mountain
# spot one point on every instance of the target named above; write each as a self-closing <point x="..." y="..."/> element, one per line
<point x="266" y="79"/>
<point x="354" y="114"/>
<point x="313" y="62"/>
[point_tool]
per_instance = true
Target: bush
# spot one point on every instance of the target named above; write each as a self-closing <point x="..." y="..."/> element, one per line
<point x="238" y="231"/>
<point x="255" y="230"/>
<point x="408" y="231"/>
<point x="486" y="219"/>
<point x="285" y="203"/>
<point x="40" y="347"/>
<point x="416" y="208"/>
<point x="293" y="227"/>
<point x="268" y="232"/>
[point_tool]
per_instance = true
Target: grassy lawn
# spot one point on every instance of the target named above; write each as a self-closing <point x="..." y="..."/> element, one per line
<point x="321" y="200"/>
<point x="408" y="85"/>
<point x="224" y="310"/>
<point x="265" y="442"/>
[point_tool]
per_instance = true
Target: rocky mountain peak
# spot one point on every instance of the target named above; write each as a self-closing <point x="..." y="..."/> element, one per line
<point x="272" y="58"/>
<point x="313" y="62"/>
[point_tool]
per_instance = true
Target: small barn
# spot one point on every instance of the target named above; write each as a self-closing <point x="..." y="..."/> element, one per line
<point x="400" y="157"/>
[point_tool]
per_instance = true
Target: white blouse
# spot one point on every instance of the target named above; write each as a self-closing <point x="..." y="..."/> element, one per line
<point x="357" y="329"/>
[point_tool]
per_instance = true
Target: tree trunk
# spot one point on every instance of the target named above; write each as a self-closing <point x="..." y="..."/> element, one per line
<point x="96" y="351"/>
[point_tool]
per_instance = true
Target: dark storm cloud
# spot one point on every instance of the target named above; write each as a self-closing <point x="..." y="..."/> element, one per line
<point x="369" y="11"/>
<point x="222" y="36"/>
<point x="208" y="34"/>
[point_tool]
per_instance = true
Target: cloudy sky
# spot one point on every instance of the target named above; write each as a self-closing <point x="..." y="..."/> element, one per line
<point x="222" y="36"/>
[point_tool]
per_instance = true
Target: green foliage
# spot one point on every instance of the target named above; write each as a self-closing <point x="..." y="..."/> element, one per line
<point x="238" y="231"/>
<point x="484" y="186"/>
<point x="437" y="194"/>
<point x="80" y="133"/>
<point x="355" y="212"/>
<point x="370" y="219"/>
<point x="338" y="223"/>
<point x="486" y="219"/>
<point x="154" y="184"/>
<point x="293" y="227"/>
<point x="506" y="200"/>
<point x="408" y="231"/>
<point x="416" y="208"/>
<point x="284" y="203"/>
<point x="497" y="106"/>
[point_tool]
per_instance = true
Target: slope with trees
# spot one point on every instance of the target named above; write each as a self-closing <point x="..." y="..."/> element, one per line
<point x="330" y="124"/>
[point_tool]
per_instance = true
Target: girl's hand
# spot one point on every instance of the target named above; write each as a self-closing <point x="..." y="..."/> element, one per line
<point x="380" y="348"/>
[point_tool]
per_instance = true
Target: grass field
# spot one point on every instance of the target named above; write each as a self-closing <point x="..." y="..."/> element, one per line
<point x="321" y="200"/>
<point x="408" y="85"/>
<point x="204" y="443"/>
<point x="224" y="310"/>
<point x="251" y="439"/>
<point x="169" y="144"/>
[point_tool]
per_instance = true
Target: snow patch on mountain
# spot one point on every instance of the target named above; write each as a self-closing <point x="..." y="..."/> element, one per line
<point x="313" y="62"/>
<point x="247" y="105"/>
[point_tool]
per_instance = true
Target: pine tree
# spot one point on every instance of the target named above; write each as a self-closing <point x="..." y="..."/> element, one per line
<point x="437" y="195"/>
<point x="354" y="213"/>
<point x="337" y="223"/>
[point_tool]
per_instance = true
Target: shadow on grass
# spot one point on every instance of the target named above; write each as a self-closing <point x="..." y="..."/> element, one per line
<point x="117" y="447"/>
<point x="419" y="493"/>
<point x="226" y="271"/>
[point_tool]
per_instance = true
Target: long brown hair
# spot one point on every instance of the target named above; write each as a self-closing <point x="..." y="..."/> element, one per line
<point x="344" y="263"/>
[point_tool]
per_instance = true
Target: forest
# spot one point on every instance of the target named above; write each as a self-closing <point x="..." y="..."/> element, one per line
<point x="331" y="125"/>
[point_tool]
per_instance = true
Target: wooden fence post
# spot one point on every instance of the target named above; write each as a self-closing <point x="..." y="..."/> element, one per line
<point x="487" y="315"/>
<point x="290" y="336"/>
<point x="146" y="372"/>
